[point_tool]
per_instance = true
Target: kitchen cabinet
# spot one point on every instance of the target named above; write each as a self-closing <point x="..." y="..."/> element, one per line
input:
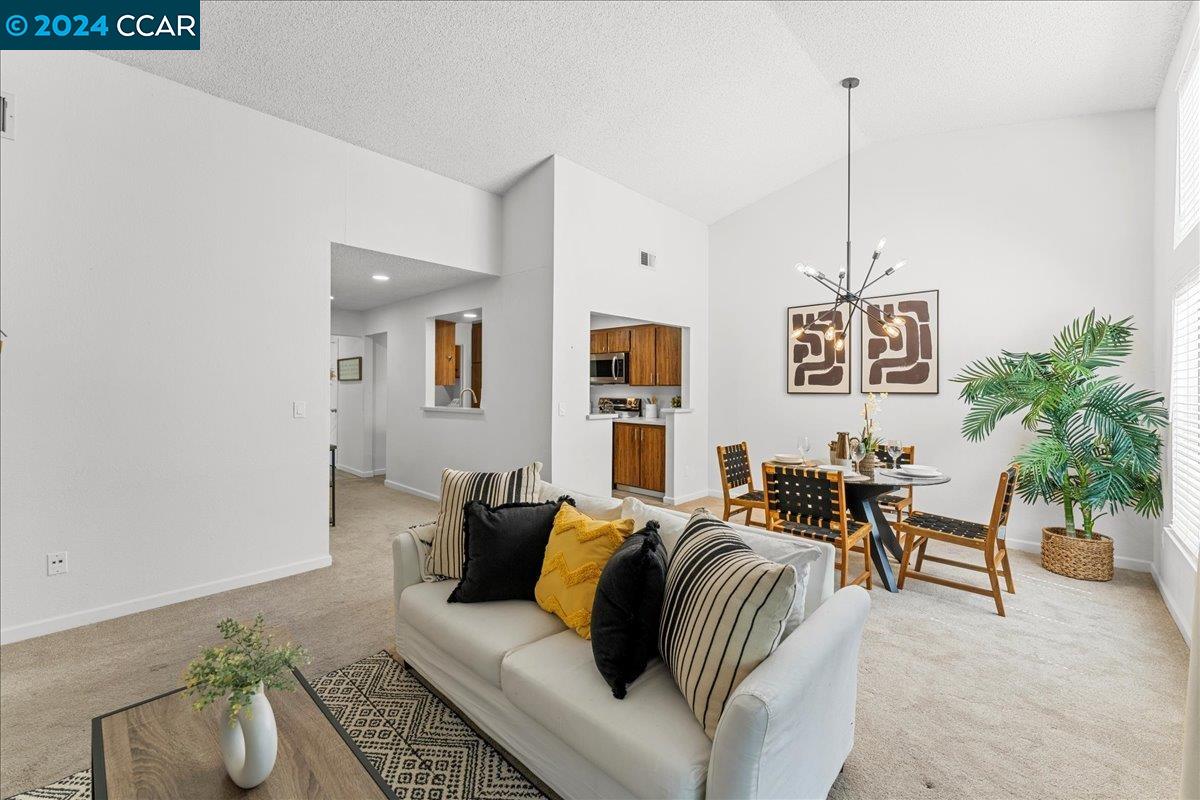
<point x="668" y="356"/>
<point x="655" y="356"/>
<point x="618" y="340"/>
<point x="476" y="363"/>
<point x="600" y="342"/>
<point x="640" y="455"/>
<point x="445" y="364"/>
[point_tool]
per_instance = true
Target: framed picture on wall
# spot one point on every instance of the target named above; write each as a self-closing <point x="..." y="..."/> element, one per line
<point x="814" y="365"/>
<point x="904" y="364"/>
<point x="349" y="369"/>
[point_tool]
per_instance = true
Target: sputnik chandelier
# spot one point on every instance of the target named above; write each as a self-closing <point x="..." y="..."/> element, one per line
<point x="843" y="294"/>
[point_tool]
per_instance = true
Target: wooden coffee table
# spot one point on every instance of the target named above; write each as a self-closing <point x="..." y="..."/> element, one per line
<point x="161" y="747"/>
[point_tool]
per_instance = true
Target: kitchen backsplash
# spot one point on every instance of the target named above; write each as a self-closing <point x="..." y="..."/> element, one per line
<point x="644" y="393"/>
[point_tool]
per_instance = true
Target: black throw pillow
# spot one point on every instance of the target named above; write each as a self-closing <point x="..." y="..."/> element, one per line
<point x="627" y="608"/>
<point x="504" y="547"/>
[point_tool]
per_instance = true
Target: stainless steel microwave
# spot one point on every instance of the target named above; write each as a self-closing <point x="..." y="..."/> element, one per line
<point x="608" y="368"/>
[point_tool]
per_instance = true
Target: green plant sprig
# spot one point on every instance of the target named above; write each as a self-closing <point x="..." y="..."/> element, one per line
<point x="1097" y="445"/>
<point x="235" y="669"/>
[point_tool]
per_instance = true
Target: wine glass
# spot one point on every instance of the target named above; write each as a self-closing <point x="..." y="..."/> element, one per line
<point x="805" y="446"/>
<point x="894" y="449"/>
<point x="858" y="451"/>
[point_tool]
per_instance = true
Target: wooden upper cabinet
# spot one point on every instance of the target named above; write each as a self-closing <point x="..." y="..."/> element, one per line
<point x="445" y="365"/>
<point x="640" y="368"/>
<point x="655" y="355"/>
<point x="668" y="356"/>
<point x="600" y="342"/>
<point x="626" y="465"/>
<point x="652" y="457"/>
<point x="476" y="363"/>
<point x="618" y="340"/>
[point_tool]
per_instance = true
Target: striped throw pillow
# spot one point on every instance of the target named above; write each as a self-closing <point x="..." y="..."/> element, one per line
<point x="723" y="613"/>
<point x="446" y="553"/>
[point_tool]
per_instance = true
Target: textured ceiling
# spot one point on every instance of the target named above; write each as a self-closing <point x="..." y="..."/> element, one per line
<point x="705" y="107"/>
<point x="354" y="288"/>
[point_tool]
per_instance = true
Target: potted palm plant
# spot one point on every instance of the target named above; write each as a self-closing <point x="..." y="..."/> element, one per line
<point x="1097" y="447"/>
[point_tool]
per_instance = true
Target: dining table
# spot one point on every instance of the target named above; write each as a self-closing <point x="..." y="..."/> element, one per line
<point x="862" y="503"/>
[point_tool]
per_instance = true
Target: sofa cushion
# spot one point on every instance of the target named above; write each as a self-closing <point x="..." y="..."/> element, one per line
<point x="649" y="742"/>
<point x="458" y="487"/>
<point x="477" y="635"/>
<point x="504" y="547"/>
<point x="578" y="549"/>
<point x="595" y="507"/>
<point x="627" y="609"/>
<point x="724" y="612"/>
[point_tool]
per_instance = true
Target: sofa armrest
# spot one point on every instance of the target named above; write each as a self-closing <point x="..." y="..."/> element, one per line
<point x="408" y="564"/>
<point x="789" y="726"/>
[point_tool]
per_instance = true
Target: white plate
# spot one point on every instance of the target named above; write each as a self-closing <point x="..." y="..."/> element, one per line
<point x="833" y="468"/>
<point x="789" y="458"/>
<point x="919" y="471"/>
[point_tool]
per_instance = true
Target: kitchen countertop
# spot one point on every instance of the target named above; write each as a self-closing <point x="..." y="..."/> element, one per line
<point x="641" y="420"/>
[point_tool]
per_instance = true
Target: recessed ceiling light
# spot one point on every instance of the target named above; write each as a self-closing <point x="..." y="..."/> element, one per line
<point x="330" y="297"/>
<point x="469" y="315"/>
<point x="381" y="277"/>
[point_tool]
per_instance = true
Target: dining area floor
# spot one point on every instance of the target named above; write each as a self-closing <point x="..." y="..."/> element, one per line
<point x="1077" y="692"/>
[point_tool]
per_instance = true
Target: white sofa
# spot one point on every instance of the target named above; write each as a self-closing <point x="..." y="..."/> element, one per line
<point x="531" y="685"/>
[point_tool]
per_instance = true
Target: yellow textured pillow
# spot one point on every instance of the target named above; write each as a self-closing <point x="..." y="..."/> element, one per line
<point x="578" y="549"/>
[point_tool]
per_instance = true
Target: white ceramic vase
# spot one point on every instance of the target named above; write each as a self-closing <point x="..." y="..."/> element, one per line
<point x="250" y="744"/>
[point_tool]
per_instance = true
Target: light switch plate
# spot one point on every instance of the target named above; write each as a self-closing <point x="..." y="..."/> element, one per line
<point x="299" y="409"/>
<point x="562" y="409"/>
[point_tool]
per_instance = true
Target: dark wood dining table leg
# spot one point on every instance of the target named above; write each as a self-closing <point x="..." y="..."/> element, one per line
<point x="884" y="542"/>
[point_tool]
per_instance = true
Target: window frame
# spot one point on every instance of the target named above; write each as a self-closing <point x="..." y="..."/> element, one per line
<point x="1189" y="80"/>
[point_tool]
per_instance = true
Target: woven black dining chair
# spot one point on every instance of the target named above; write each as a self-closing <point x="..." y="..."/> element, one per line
<point x="809" y="502"/>
<point x="734" y="461"/>
<point x="921" y="527"/>
<point x="900" y="502"/>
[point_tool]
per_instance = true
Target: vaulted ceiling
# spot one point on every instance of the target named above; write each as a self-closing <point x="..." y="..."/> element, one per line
<point x="704" y="106"/>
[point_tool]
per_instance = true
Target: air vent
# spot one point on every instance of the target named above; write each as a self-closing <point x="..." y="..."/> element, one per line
<point x="6" y="115"/>
<point x="648" y="259"/>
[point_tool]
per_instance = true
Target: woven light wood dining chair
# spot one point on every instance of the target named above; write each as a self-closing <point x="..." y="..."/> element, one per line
<point x="809" y="502"/>
<point x="921" y="527"/>
<point x="734" y="461"/>
<point x="899" y="502"/>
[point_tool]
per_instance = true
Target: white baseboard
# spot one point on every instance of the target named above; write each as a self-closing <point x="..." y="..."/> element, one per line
<point x="16" y="633"/>
<point x="1172" y="607"/>
<point x="378" y="472"/>
<point x="687" y="498"/>
<point x="412" y="490"/>
<point x="359" y="473"/>
<point x="1120" y="562"/>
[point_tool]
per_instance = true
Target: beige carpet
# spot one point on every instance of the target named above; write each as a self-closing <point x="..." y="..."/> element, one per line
<point x="1078" y="692"/>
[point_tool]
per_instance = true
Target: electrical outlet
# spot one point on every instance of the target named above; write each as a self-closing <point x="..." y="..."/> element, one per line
<point x="56" y="563"/>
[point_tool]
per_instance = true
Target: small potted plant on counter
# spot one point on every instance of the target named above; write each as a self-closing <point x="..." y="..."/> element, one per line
<point x="1096" y="448"/>
<point x="239" y="672"/>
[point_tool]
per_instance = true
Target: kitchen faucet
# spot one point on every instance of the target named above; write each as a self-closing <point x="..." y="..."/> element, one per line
<point x="473" y="395"/>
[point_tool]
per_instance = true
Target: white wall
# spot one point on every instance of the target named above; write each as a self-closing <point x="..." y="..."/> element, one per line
<point x="145" y="393"/>
<point x="1174" y="568"/>
<point x="354" y="410"/>
<point x="1022" y="228"/>
<point x="378" y="415"/>
<point x="514" y="428"/>
<point x="600" y="229"/>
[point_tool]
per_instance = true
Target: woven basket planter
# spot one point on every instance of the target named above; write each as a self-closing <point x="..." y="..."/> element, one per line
<point x="1082" y="559"/>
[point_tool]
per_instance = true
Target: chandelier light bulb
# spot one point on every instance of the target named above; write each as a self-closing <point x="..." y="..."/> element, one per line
<point x="810" y="271"/>
<point x="897" y="268"/>
<point x="898" y="320"/>
<point x="840" y="344"/>
<point x="879" y="247"/>
<point x="891" y="330"/>
<point x="830" y="332"/>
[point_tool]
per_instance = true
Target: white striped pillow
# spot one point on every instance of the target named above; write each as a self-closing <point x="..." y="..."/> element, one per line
<point x="723" y="613"/>
<point x="445" y="557"/>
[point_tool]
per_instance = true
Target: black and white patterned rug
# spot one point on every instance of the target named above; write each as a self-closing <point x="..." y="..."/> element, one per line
<point x="420" y="746"/>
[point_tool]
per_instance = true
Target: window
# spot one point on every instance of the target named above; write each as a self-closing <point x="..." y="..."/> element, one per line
<point x="1187" y="148"/>
<point x="1185" y="414"/>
